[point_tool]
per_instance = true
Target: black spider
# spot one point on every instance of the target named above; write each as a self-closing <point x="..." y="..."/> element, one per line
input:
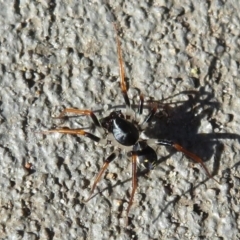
<point x="124" y="132"/>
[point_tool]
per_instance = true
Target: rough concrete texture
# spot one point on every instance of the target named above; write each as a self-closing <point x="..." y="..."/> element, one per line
<point x="58" y="54"/>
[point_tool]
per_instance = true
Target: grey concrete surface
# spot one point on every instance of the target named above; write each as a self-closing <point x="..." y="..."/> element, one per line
<point x="58" y="54"/>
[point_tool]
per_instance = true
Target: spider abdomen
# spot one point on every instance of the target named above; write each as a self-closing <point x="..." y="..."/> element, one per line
<point x="125" y="132"/>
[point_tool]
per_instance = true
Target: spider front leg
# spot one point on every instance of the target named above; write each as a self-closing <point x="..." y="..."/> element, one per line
<point x="83" y="112"/>
<point x="74" y="132"/>
<point x="79" y="131"/>
<point x="122" y="73"/>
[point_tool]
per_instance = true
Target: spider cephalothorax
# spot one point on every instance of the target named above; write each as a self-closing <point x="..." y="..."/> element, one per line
<point x="126" y="131"/>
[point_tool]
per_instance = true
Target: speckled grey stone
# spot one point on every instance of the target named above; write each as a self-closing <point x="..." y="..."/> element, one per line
<point x="58" y="54"/>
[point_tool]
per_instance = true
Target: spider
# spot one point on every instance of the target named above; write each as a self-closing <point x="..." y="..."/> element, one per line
<point x="124" y="132"/>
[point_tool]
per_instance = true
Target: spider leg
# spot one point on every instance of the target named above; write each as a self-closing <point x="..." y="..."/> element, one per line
<point x="108" y="160"/>
<point x="134" y="183"/>
<point x="83" y="112"/>
<point x="122" y="75"/>
<point x="140" y="106"/>
<point x="73" y="132"/>
<point x="179" y="148"/>
<point x="139" y="111"/>
<point x="149" y="117"/>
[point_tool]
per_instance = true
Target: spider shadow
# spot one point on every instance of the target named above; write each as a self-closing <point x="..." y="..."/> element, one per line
<point x="182" y="123"/>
